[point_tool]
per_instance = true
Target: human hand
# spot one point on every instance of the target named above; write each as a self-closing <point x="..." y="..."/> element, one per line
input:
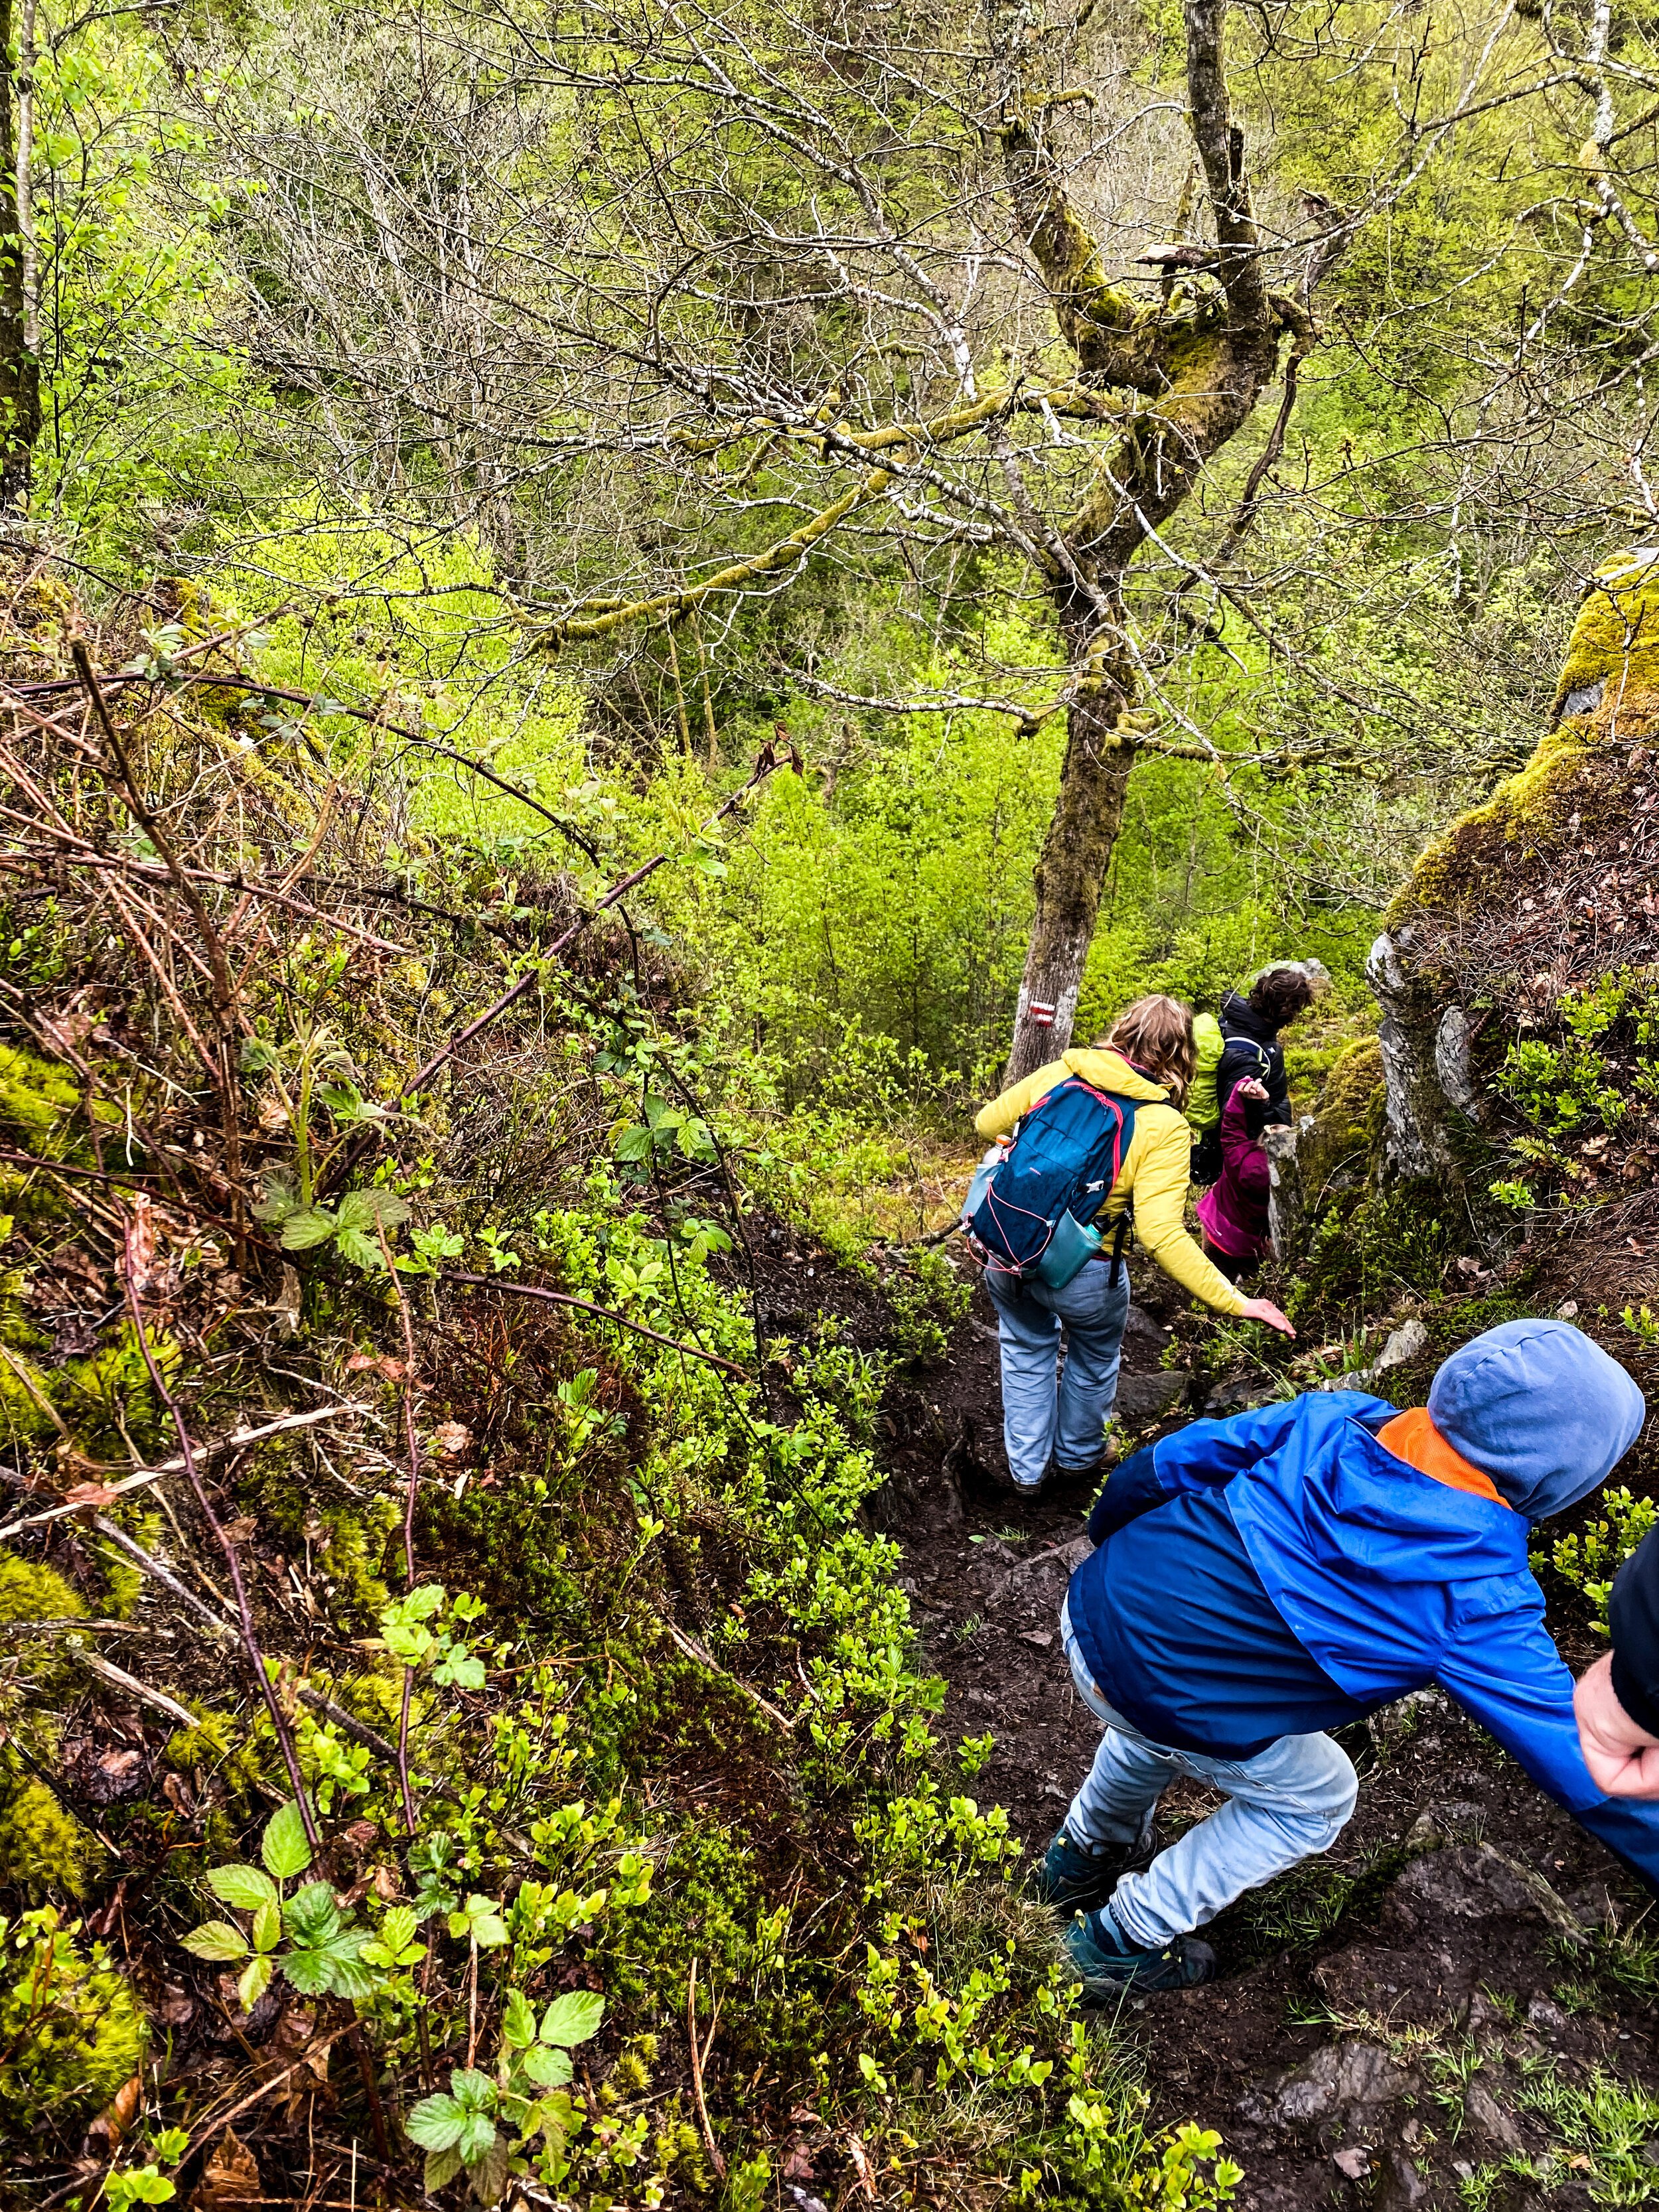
<point x="1248" y="1087"/>
<point x="1623" y="1759"/>
<point x="1264" y="1310"/>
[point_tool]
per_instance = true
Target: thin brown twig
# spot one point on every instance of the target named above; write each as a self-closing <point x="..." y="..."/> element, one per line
<point x="224" y="988"/>
<point x="713" y="2147"/>
<point x="766" y="760"/>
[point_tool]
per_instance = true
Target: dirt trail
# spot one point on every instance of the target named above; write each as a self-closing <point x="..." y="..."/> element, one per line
<point x="1385" y="2016"/>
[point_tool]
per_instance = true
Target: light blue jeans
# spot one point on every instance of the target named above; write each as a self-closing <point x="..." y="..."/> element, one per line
<point x="1284" y="1805"/>
<point x="1059" y="1417"/>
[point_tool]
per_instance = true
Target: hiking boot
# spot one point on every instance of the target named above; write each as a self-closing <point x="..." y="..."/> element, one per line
<point x="1108" y="1963"/>
<point x="1073" y="1878"/>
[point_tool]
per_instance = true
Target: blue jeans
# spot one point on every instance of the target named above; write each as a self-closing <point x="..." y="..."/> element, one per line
<point x="1284" y="1805"/>
<point x="1044" y="1416"/>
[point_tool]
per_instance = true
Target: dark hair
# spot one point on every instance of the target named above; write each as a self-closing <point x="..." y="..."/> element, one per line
<point x="1281" y="994"/>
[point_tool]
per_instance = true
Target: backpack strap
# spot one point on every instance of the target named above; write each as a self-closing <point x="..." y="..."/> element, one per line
<point x="1119" y="1240"/>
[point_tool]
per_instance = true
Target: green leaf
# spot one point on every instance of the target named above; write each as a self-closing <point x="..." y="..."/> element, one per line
<point x="352" y="1978"/>
<point x="397" y="1929"/>
<point x="441" y="2167"/>
<point x="267" y="1925"/>
<point x="518" y="2021"/>
<point x="305" y="1226"/>
<point x="245" y="1887"/>
<point x="458" y="1666"/>
<point x="573" y="2017"/>
<point x="478" y="2138"/>
<point x="311" y="1916"/>
<point x="279" y="1202"/>
<point x="363" y="1209"/>
<point x="548" y="2069"/>
<point x="358" y="1250"/>
<point x="488" y="2175"/>
<point x="312" y="1972"/>
<point x="254" y="1981"/>
<point x="217" y="1940"/>
<point x="472" y="2089"/>
<point x="283" y="1847"/>
<point x="435" y="2122"/>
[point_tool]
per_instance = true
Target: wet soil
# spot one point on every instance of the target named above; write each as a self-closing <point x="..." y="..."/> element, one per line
<point x="1459" y="1911"/>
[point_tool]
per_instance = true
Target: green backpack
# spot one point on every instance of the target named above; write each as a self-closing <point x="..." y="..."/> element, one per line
<point x="1202" y="1111"/>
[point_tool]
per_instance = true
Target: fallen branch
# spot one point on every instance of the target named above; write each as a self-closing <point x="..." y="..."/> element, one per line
<point x="693" y="1650"/>
<point x="118" y="1679"/>
<point x="205" y="1622"/>
<point x="587" y="1305"/>
<point x="234" y="1441"/>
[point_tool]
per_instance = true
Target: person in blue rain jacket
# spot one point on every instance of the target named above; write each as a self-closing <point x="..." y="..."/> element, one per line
<point x="1261" y="1580"/>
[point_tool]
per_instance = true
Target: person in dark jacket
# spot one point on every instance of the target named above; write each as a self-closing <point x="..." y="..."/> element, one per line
<point x="1617" y="1699"/>
<point x="1261" y="1580"/>
<point x="1250" y="1025"/>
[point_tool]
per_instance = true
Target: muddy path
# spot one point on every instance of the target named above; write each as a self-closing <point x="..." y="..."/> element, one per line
<point x="1408" y="2020"/>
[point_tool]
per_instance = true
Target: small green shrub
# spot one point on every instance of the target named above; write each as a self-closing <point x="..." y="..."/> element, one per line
<point x="1589" y="1558"/>
<point x="926" y="1299"/>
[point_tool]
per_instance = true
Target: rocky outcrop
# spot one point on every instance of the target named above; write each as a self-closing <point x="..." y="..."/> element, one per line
<point x="1525" y="896"/>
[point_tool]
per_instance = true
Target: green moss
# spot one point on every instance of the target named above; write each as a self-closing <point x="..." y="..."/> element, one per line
<point x="36" y="1099"/>
<point x="1352" y="1089"/>
<point x="42" y="1847"/>
<point x="1615" y="644"/>
<point x="1615" y="639"/>
<point x="29" y="1591"/>
<point x="70" y="2029"/>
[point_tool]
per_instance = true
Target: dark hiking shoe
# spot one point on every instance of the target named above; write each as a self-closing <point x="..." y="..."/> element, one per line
<point x="1108" y="1963"/>
<point x="1074" y="1879"/>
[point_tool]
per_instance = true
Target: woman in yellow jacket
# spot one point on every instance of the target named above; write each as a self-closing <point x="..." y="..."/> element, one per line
<point x="1148" y="1057"/>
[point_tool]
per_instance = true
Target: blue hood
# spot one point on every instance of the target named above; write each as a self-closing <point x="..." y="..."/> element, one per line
<point x="1541" y="1409"/>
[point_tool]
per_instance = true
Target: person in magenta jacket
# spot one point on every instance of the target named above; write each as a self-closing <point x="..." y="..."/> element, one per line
<point x="1233" y="1211"/>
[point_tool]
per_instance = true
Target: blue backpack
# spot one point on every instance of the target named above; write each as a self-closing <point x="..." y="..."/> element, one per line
<point x="1030" y="1209"/>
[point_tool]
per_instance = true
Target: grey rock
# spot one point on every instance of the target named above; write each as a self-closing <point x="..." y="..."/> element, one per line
<point x="1402" y="2188"/>
<point x="1414" y="1107"/>
<point x="1405" y="1344"/>
<point x="1542" y="2013"/>
<point x="1586" y="699"/>
<point x="1287" y="1200"/>
<point x="1237" y="1393"/>
<point x="1143" y="1398"/>
<point x="1488" y="2115"/>
<point x="1350" y="2081"/>
<point x="1451" y="1061"/>
<point x="1141" y="1324"/>
<point x="1437" y="1825"/>
<point x="1475" y="1882"/>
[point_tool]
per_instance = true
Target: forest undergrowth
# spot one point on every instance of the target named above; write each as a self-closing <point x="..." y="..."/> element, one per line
<point x="460" y="1730"/>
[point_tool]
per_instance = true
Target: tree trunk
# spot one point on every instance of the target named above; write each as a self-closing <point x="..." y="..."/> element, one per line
<point x="19" y="374"/>
<point x="1077" y="851"/>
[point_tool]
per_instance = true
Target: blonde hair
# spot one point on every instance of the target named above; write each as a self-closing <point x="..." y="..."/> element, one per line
<point x="1156" y="1035"/>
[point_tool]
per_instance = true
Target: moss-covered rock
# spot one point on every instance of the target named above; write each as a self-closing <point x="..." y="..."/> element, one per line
<point x="1346" y="1127"/>
<point x="70" y="2029"/>
<point x="1461" y="937"/>
<point x="43" y="1849"/>
<point x="37" y="1100"/>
